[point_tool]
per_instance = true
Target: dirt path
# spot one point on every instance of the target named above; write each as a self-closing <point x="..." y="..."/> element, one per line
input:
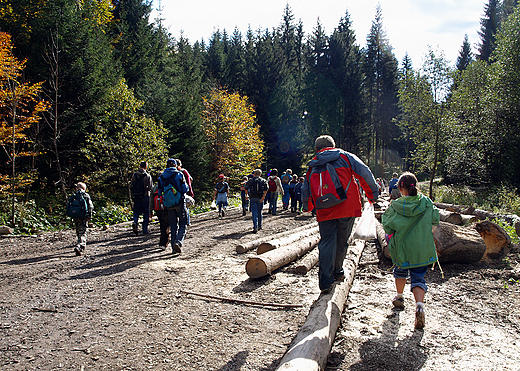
<point x="120" y="306"/>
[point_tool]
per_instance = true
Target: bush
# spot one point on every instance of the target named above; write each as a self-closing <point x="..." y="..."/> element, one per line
<point x="29" y="218"/>
<point x="111" y="214"/>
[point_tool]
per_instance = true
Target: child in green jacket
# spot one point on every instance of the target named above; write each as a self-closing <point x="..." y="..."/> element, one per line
<point x="408" y="222"/>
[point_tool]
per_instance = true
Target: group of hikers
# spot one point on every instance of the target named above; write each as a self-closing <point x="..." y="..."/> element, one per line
<point x="330" y="189"/>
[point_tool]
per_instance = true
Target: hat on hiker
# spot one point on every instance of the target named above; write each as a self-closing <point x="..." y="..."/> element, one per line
<point x="221" y="176"/>
<point x="171" y="163"/>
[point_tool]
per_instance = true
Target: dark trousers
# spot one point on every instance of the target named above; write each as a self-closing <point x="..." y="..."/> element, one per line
<point x="178" y="219"/>
<point x="164" y="226"/>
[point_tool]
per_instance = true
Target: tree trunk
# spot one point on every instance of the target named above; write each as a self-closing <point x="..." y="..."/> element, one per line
<point x="311" y="347"/>
<point x="461" y="209"/>
<point x="247" y="246"/>
<point x="380" y="232"/>
<point x="498" y="242"/>
<point x="457" y="244"/>
<point x="450" y="217"/>
<point x="308" y="262"/>
<point x="266" y="263"/>
<point x="285" y="240"/>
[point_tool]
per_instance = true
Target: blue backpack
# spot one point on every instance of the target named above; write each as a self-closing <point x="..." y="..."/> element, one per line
<point x="77" y="205"/>
<point x="171" y="196"/>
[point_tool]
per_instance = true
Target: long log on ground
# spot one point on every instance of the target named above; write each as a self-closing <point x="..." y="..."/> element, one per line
<point x="450" y="217"/>
<point x="483" y="215"/>
<point x="456" y="244"/>
<point x="308" y="262"/>
<point x="461" y="209"/>
<point x="286" y="240"/>
<point x="498" y="242"/>
<point x="264" y="264"/>
<point x="248" y="246"/>
<point x="311" y="347"/>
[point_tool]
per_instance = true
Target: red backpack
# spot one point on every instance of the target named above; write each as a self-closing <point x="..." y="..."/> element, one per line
<point x="272" y="185"/>
<point x="325" y="186"/>
<point x="157" y="201"/>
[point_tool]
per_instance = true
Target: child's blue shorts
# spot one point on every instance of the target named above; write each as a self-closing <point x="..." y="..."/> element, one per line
<point x="416" y="276"/>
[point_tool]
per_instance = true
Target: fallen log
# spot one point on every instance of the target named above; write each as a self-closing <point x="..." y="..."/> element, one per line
<point x="380" y="233"/>
<point x="286" y="240"/>
<point x="308" y="262"/>
<point x="456" y="244"/>
<point x="483" y="215"/>
<point x="468" y="219"/>
<point x="311" y="347"/>
<point x="461" y="209"/>
<point x="498" y="242"/>
<point x="6" y="230"/>
<point x="266" y="263"/>
<point x="450" y="217"/>
<point x="248" y="246"/>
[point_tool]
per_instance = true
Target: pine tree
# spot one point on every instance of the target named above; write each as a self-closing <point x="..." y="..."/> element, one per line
<point x="488" y="30"/>
<point x="465" y="55"/>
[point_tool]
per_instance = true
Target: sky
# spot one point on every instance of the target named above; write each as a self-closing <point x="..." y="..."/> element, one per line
<point x="411" y="25"/>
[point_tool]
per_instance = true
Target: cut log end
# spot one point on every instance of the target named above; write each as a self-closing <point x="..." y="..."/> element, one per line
<point x="498" y="242"/>
<point x="256" y="268"/>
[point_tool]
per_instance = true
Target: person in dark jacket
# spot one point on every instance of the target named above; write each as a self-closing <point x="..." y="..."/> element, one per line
<point x="141" y="187"/>
<point x="81" y="224"/>
<point x="177" y="215"/>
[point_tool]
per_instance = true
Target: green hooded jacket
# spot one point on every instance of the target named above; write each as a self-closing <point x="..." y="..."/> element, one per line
<point x="410" y="220"/>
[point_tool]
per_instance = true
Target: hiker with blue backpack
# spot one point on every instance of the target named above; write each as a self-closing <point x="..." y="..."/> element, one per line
<point x="173" y="187"/>
<point x="141" y="186"/>
<point x="79" y="208"/>
<point x="330" y="187"/>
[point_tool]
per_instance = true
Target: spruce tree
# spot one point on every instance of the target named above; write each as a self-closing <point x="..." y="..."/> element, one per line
<point x="465" y="55"/>
<point x="488" y="30"/>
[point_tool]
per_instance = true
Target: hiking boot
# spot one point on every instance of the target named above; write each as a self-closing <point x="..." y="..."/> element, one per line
<point x="78" y="250"/>
<point x="339" y="277"/>
<point x="223" y="212"/>
<point x="398" y="302"/>
<point x="419" y="317"/>
<point x="163" y="248"/>
<point x="255" y="230"/>
<point x="134" y="229"/>
<point x="244" y="212"/>
<point x="260" y="228"/>
<point x="326" y="291"/>
<point x="176" y="248"/>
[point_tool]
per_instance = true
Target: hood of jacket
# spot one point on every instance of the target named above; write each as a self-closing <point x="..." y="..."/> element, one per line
<point x="324" y="156"/>
<point x="169" y="172"/>
<point x="411" y="205"/>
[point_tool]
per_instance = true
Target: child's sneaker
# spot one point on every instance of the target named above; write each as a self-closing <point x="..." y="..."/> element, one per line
<point x="419" y="317"/>
<point x="398" y="302"/>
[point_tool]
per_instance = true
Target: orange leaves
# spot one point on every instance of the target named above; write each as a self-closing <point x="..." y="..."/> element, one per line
<point x="234" y="139"/>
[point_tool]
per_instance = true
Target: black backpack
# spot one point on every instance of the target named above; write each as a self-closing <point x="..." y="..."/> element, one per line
<point x="77" y="205"/>
<point x="258" y="187"/>
<point x="138" y="191"/>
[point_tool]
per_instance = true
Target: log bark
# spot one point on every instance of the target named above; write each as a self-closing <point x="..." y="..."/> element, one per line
<point x="457" y="244"/>
<point x="264" y="264"/>
<point x="6" y="230"/>
<point x="468" y="219"/>
<point x="308" y="262"/>
<point x="450" y="217"/>
<point x="311" y="347"/>
<point x="461" y="209"/>
<point x="498" y="242"/>
<point x="286" y="240"/>
<point x="248" y="246"/>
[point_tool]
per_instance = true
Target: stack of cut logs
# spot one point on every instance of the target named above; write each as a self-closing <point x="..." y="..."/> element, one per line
<point x="462" y="236"/>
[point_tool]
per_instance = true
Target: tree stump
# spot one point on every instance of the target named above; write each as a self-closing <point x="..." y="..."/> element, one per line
<point x="457" y="244"/>
<point x="498" y="242"/>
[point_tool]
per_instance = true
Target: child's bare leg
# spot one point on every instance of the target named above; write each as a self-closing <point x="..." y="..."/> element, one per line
<point x="400" y="283"/>
<point x="418" y="294"/>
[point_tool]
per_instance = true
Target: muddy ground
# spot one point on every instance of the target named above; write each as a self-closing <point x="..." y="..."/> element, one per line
<point x="120" y="306"/>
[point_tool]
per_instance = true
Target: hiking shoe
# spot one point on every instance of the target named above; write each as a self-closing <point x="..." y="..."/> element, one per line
<point x="339" y="277"/>
<point x="260" y="228"/>
<point x="398" y="302"/>
<point x="255" y="230"/>
<point x="326" y="291"/>
<point x="419" y="317"/>
<point x="176" y="248"/>
<point x="163" y="248"/>
<point x="134" y="229"/>
<point x="223" y="212"/>
<point x="78" y="250"/>
<point x="243" y="212"/>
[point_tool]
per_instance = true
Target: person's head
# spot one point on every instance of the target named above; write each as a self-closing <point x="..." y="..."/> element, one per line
<point x="245" y="178"/>
<point x="171" y="163"/>
<point x="295" y="177"/>
<point x="178" y="161"/>
<point x="257" y="172"/>
<point x="394" y="175"/>
<point x="408" y="181"/>
<point x="144" y="165"/>
<point x="288" y="171"/>
<point x="81" y="186"/>
<point x="274" y="172"/>
<point x="324" y="141"/>
<point x="221" y="177"/>
<point x="301" y="179"/>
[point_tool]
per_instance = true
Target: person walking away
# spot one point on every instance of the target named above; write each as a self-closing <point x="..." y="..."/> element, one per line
<point x="408" y="223"/>
<point x="83" y="207"/>
<point x="256" y="189"/>
<point x="141" y="187"/>
<point x="243" y="197"/>
<point x="393" y="189"/>
<point x="221" y="195"/>
<point x="298" y="195"/>
<point x="189" y="181"/>
<point x="156" y="205"/>
<point x="286" y="179"/>
<point x="336" y="207"/>
<point x="274" y="189"/>
<point x="178" y="214"/>
<point x="292" y="184"/>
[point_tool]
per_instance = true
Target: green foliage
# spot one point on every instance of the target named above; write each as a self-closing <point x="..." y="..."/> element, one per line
<point x="28" y="216"/>
<point x="111" y="214"/>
